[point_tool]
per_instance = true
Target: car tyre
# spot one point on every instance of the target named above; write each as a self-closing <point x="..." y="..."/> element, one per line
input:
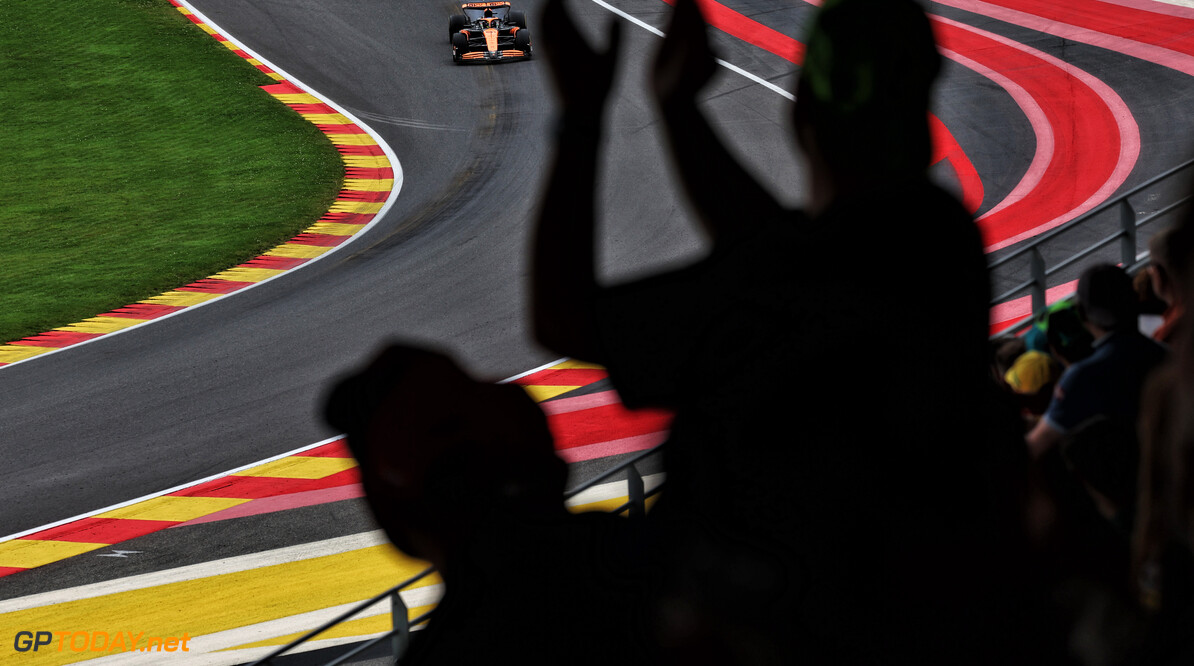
<point x="459" y="46"/>
<point x="518" y="18"/>
<point x="456" y="23"/>
<point x="522" y="41"/>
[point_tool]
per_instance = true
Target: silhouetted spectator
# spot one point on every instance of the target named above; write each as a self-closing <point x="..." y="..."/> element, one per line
<point x="463" y="474"/>
<point x="1162" y="555"/>
<point x="1162" y="552"/>
<point x="710" y="341"/>
<point x="1169" y="261"/>
<point x="861" y="121"/>
<point x="800" y="524"/>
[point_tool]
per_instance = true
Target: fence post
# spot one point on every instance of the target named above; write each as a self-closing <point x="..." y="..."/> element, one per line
<point x="1127" y="239"/>
<point x="401" y="624"/>
<point x="634" y="484"/>
<point x="1039" y="285"/>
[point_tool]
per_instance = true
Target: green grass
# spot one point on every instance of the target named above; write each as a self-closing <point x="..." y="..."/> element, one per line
<point x="137" y="155"/>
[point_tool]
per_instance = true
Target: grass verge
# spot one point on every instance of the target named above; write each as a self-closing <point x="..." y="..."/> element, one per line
<point x="138" y="155"/>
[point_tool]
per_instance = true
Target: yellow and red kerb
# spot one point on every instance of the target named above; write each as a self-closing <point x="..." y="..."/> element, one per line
<point x="323" y="468"/>
<point x="592" y="425"/>
<point x="368" y="182"/>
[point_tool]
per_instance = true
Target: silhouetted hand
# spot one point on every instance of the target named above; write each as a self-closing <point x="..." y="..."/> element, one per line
<point x="583" y="76"/>
<point x="685" y="63"/>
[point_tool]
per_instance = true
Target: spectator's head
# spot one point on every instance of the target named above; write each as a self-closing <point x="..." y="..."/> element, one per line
<point x="1032" y="377"/>
<point x="1067" y="339"/>
<point x="1169" y="260"/>
<point x="863" y="94"/>
<point x="1145" y="285"/>
<point x="1036" y="337"/>
<point x="1006" y="349"/>
<point x="440" y="454"/>
<point x="1106" y="299"/>
<point x="1031" y="372"/>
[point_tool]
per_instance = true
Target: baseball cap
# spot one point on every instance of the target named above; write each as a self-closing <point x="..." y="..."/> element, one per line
<point x="1031" y="372"/>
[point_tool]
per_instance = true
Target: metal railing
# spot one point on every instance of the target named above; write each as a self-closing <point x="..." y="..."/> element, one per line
<point x="1047" y="261"/>
<point x="637" y="495"/>
<point x="399" y="636"/>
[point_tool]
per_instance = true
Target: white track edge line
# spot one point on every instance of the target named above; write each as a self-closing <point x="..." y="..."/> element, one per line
<point x="533" y="370"/>
<point x="733" y="68"/>
<point x="223" y="566"/>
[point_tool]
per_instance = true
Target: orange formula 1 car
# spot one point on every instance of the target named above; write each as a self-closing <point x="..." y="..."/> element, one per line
<point x="487" y="31"/>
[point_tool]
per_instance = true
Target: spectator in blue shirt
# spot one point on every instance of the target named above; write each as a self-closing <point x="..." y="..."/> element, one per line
<point x="1108" y="382"/>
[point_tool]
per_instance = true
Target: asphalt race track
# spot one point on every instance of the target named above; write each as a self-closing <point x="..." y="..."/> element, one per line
<point x="241" y="380"/>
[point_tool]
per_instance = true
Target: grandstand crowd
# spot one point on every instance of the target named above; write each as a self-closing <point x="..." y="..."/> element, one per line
<point x="838" y="491"/>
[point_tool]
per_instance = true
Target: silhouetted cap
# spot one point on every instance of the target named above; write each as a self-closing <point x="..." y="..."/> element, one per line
<point x="355" y="399"/>
<point x="862" y="54"/>
<point x="866" y="80"/>
<point x="1107" y="298"/>
<point x="421" y="424"/>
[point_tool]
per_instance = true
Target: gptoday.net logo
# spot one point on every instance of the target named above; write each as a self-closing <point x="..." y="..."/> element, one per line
<point x="98" y="641"/>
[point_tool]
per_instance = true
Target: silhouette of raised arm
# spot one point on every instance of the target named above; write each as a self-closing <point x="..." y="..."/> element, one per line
<point x="564" y="286"/>
<point x="728" y="200"/>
